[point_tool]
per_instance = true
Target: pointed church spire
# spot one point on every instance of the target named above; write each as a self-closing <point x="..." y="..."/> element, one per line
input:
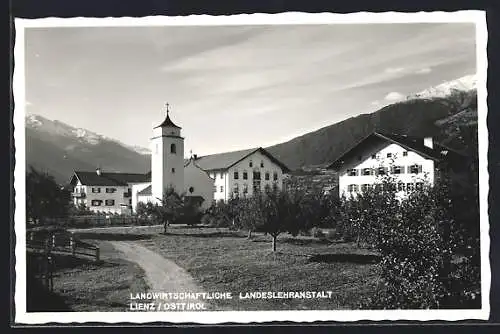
<point x="168" y="122"/>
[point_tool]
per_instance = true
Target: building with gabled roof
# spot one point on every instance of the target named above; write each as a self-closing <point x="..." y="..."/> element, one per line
<point x="203" y="179"/>
<point x="412" y="162"/>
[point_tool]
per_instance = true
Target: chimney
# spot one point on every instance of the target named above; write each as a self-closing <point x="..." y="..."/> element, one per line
<point x="195" y="156"/>
<point x="98" y="171"/>
<point x="428" y="142"/>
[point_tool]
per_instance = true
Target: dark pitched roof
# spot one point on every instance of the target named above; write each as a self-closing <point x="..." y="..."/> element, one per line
<point x="108" y="179"/>
<point x="416" y="144"/>
<point x="168" y="122"/>
<point x="226" y="160"/>
<point x="145" y="192"/>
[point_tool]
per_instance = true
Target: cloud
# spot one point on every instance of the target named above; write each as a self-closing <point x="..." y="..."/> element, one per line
<point x="394" y="70"/>
<point x="424" y="70"/>
<point x="394" y="96"/>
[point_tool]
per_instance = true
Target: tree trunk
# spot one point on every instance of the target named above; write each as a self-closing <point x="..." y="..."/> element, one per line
<point x="358" y="238"/>
<point x="274" y="242"/>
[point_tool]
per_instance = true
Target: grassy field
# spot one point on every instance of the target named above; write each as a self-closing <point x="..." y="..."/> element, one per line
<point x="226" y="261"/>
<point x="87" y="286"/>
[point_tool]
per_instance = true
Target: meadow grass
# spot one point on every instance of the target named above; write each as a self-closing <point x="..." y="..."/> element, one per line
<point x="226" y="261"/>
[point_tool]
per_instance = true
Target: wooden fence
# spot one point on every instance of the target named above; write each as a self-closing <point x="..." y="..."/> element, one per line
<point x="62" y="243"/>
<point x="99" y="221"/>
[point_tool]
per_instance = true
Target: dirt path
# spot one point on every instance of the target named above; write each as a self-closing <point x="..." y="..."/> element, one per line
<point x="162" y="275"/>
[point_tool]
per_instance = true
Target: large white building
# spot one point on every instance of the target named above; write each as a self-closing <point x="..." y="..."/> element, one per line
<point x="204" y="179"/>
<point x="410" y="162"/>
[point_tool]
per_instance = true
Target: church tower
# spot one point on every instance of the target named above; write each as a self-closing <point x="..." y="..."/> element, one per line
<point x="167" y="158"/>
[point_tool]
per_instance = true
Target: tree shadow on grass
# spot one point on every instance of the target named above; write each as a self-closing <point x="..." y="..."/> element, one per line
<point x="39" y="299"/>
<point x="219" y="234"/>
<point x="351" y="258"/>
<point x="112" y="236"/>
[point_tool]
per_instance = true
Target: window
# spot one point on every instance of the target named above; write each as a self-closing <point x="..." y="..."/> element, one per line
<point x="410" y="186"/>
<point x="401" y="186"/>
<point x="191" y="189"/>
<point x="389" y="155"/>
<point x="374" y="156"/>
<point x="275" y="176"/>
<point x="405" y="153"/>
<point x="245" y="175"/>
<point x="110" y="202"/>
<point x="352" y="188"/>
<point x="221" y="175"/>
<point x="245" y="188"/>
<point x="419" y="186"/>
<point x="256" y="175"/>
<point x="221" y="189"/>
<point x="173" y="149"/>
<point x="261" y="164"/>
<point x="365" y="187"/>
<point x="275" y="186"/>
<point x="236" y="188"/>
<point x="96" y="190"/>
<point x="110" y="190"/>
<point x="382" y="170"/>
<point x="130" y="201"/>
<point x="415" y="169"/>
<point x="267" y="188"/>
<point x="250" y="164"/>
<point x="236" y="176"/>
<point x="267" y="176"/>
<point x="96" y="202"/>
<point x="366" y="171"/>
<point x="352" y="172"/>
<point x="397" y="170"/>
<point x="173" y="170"/>
<point x="215" y="188"/>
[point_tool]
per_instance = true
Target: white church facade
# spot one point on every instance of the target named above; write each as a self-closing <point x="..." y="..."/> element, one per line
<point x="205" y="179"/>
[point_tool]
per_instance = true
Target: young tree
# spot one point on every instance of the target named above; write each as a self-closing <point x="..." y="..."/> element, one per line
<point x="280" y="212"/>
<point x="249" y="214"/>
<point x="44" y="197"/>
<point x="170" y="209"/>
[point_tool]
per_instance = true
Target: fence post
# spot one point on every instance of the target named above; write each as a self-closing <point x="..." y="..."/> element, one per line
<point x="72" y="244"/>
<point x="97" y="254"/>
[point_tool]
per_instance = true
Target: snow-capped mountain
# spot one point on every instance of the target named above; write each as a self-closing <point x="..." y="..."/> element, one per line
<point x="445" y="89"/>
<point x="84" y="136"/>
<point x="59" y="149"/>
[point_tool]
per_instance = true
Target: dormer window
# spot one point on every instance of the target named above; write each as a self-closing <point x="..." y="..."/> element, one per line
<point x="173" y="149"/>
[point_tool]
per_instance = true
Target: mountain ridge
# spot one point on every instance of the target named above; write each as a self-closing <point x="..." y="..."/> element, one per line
<point x="440" y="111"/>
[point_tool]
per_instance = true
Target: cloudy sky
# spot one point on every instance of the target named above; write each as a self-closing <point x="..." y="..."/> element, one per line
<point x="235" y="87"/>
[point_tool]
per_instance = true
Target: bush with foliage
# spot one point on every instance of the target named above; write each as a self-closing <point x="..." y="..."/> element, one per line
<point x="419" y="240"/>
<point x="45" y="198"/>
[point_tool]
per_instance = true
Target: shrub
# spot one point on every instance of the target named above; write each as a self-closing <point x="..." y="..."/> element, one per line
<point x="317" y="233"/>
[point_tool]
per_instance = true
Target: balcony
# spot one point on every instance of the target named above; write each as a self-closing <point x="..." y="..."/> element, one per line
<point x="79" y="195"/>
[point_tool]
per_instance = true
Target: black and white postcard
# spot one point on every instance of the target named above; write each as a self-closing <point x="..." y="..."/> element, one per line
<point x="251" y="168"/>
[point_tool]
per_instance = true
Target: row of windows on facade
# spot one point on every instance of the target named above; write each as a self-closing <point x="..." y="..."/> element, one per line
<point x="97" y="190"/>
<point x="400" y="186"/>
<point x="256" y="175"/>
<point x="108" y="202"/>
<point x="413" y="169"/>
<point x="389" y="155"/>
<point x="236" y="187"/>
